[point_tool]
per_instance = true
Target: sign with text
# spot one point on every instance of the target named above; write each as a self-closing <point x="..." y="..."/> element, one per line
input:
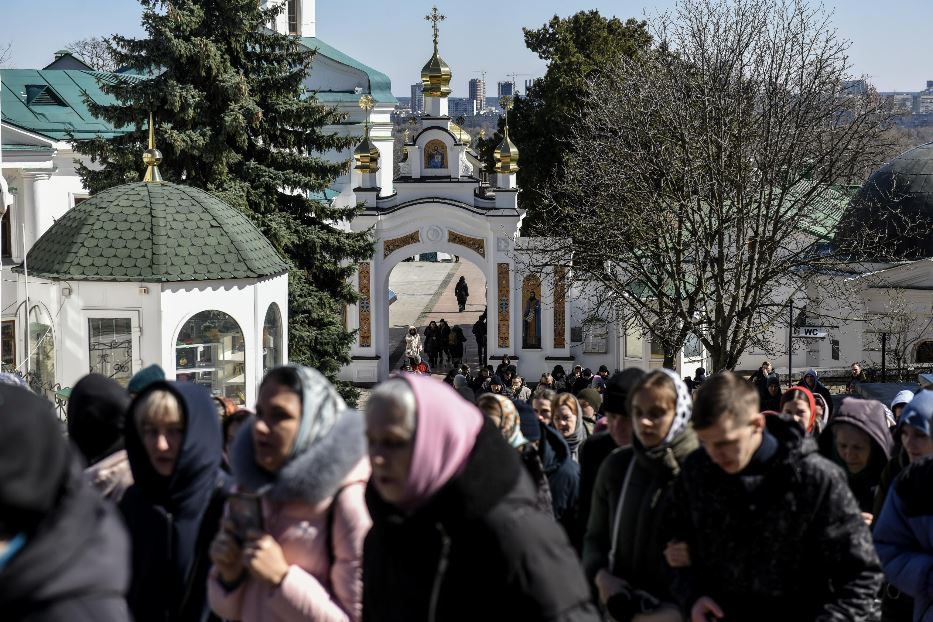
<point x="812" y="332"/>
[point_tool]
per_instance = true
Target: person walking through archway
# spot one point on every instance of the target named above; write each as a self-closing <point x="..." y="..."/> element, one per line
<point x="462" y="292"/>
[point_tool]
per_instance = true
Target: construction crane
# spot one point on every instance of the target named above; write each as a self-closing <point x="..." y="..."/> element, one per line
<point x="515" y="77"/>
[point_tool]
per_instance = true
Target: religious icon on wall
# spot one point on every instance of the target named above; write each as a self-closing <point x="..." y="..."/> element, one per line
<point x="435" y="155"/>
<point x="531" y="322"/>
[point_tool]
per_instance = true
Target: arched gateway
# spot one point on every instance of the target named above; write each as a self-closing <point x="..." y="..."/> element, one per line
<point x="439" y="204"/>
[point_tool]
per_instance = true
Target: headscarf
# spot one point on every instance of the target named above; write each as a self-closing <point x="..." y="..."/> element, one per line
<point x="321" y="406"/>
<point x="446" y="427"/>
<point x="789" y="394"/>
<point x="510" y="424"/>
<point x="683" y="407"/>
<point x="919" y="412"/>
<point x="819" y="399"/>
<point x="96" y="413"/>
<point x="575" y="440"/>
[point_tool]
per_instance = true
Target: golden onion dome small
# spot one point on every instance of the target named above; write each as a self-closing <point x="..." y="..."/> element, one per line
<point x="366" y="155"/>
<point x="506" y="155"/>
<point x="436" y="76"/>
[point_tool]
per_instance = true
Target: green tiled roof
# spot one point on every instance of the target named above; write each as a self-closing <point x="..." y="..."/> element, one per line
<point x="153" y="232"/>
<point x="51" y="102"/>
<point x="380" y="87"/>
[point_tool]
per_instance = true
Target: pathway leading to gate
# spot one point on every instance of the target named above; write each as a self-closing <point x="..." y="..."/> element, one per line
<point x="425" y="292"/>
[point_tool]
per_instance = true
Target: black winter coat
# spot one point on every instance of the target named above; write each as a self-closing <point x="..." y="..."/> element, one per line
<point x="789" y="544"/>
<point x="563" y="476"/>
<point x="74" y="567"/>
<point x="478" y="550"/>
<point x="593" y="452"/>
<point x="173" y="520"/>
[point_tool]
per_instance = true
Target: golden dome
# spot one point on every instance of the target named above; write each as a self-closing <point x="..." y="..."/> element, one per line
<point x="506" y="155"/>
<point x="435" y="76"/>
<point x="366" y="155"/>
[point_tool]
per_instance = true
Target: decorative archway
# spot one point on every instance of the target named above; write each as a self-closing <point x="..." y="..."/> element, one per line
<point x="485" y="237"/>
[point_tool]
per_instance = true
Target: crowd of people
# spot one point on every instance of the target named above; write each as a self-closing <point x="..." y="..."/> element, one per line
<point x="633" y="496"/>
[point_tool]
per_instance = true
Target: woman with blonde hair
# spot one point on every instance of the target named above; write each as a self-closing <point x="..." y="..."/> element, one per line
<point x="568" y="419"/>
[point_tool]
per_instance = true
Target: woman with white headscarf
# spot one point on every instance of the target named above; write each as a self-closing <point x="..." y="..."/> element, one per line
<point x="304" y="454"/>
<point x="632" y="499"/>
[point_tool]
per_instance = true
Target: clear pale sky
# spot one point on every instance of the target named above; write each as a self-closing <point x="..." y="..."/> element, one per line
<point x="891" y="40"/>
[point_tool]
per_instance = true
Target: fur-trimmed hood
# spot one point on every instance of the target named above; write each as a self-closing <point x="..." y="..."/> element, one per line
<point x="313" y="475"/>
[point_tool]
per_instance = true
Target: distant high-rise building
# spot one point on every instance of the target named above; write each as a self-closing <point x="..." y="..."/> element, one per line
<point x="478" y="93"/>
<point x="417" y="97"/>
<point x="529" y="83"/>
<point x="461" y="106"/>
<point x="506" y="89"/>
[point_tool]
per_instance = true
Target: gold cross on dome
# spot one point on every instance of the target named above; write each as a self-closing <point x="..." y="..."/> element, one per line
<point x="435" y="17"/>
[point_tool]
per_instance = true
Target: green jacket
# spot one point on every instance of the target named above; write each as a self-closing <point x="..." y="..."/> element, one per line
<point x="635" y="540"/>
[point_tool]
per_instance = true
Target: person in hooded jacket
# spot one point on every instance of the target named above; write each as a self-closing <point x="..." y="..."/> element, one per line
<point x="623" y="550"/>
<point x="456" y="532"/>
<point x="858" y="440"/>
<point x="916" y="443"/>
<point x="173" y="509"/>
<point x="812" y="382"/>
<point x="305" y="452"/>
<point x="413" y="346"/>
<point x="900" y="401"/>
<point x="96" y="414"/>
<point x="64" y="554"/>
<point x="904" y="530"/>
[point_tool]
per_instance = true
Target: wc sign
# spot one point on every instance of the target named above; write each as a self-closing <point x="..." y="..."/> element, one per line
<point x="811" y="332"/>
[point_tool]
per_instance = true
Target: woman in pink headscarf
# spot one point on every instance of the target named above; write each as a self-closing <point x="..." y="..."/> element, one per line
<point x="456" y="530"/>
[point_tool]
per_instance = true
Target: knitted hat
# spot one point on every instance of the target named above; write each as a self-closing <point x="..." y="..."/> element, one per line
<point x="144" y="377"/>
<point x="617" y="390"/>
<point x="591" y="397"/>
<point x="531" y="427"/>
<point x="919" y="412"/>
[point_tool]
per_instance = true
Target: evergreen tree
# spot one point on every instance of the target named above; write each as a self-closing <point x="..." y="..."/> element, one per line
<point x="575" y="49"/>
<point x="232" y="118"/>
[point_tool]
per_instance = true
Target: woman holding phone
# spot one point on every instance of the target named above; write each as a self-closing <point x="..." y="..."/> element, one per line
<point x="302" y="465"/>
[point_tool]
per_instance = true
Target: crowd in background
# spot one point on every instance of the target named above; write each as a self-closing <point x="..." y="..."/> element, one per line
<point x="591" y="496"/>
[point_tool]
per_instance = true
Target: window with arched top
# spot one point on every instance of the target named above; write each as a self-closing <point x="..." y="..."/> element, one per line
<point x="272" y="354"/>
<point x="210" y="350"/>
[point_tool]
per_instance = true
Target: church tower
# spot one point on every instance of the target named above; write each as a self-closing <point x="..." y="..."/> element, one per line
<point x="435" y="76"/>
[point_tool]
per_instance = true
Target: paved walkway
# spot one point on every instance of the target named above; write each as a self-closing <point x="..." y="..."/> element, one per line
<point x="426" y="292"/>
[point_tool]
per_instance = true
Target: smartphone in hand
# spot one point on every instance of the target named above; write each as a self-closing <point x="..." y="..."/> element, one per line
<point x="245" y="512"/>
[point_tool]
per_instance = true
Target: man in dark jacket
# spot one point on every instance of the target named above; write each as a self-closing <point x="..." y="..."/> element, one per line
<point x="772" y="530"/>
<point x="64" y="554"/>
<point x="479" y="332"/>
<point x="583" y="382"/>
<point x="761" y="377"/>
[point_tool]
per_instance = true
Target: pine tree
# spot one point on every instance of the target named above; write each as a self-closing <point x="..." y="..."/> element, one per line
<point x="233" y="118"/>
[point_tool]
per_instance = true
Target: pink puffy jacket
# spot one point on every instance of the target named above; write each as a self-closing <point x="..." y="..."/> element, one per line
<point x="313" y="589"/>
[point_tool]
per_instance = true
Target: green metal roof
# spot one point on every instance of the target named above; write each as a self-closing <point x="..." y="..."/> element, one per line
<point x="55" y="107"/>
<point x="153" y="232"/>
<point x="380" y="87"/>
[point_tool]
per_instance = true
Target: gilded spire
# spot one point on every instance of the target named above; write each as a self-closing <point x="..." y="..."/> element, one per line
<point x="152" y="157"/>
<point x="366" y="155"/>
<point x="506" y="154"/>
<point x="436" y="74"/>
